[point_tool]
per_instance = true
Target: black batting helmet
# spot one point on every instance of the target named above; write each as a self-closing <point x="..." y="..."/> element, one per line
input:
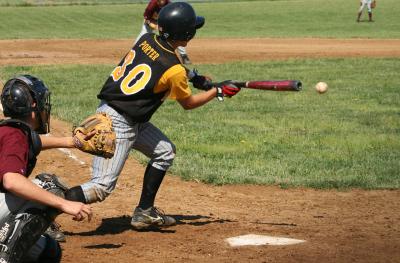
<point x="178" y="21"/>
<point x="24" y="94"/>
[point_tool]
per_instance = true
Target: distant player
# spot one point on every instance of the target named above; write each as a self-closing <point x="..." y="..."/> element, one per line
<point x="148" y="75"/>
<point x="150" y="24"/>
<point x="28" y="207"/>
<point x="363" y="4"/>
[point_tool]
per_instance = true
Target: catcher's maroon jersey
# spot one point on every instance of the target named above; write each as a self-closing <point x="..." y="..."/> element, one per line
<point x="13" y="151"/>
<point x="148" y="74"/>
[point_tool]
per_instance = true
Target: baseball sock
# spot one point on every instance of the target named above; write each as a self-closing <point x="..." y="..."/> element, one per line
<point x="152" y="180"/>
<point x="75" y="194"/>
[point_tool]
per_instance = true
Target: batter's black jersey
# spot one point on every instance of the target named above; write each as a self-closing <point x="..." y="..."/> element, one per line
<point x="130" y="89"/>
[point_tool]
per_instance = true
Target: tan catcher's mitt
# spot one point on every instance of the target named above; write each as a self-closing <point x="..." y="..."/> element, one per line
<point x="95" y="135"/>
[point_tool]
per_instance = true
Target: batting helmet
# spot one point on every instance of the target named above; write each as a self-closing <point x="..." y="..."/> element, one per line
<point x="178" y="21"/>
<point x="25" y="94"/>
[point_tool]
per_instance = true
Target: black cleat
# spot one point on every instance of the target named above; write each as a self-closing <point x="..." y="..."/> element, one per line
<point x="152" y="216"/>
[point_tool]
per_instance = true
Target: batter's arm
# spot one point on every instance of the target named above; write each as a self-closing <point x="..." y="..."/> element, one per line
<point x="197" y="100"/>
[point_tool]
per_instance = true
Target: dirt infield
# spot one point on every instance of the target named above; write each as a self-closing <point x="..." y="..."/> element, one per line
<point x="338" y="226"/>
<point x="22" y="52"/>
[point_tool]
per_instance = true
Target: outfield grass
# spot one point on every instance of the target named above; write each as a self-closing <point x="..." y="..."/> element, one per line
<point x="348" y="137"/>
<point x="291" y="18"/>
<point x="91" y="2"/>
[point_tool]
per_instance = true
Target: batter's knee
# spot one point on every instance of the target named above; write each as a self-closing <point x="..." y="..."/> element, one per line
<point x="164" y="157"/>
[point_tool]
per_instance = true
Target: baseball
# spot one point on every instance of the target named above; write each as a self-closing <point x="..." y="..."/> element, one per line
<point x="321" y="87"/>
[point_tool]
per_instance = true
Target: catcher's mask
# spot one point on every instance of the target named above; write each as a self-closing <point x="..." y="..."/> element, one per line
<point x="178" y="21"/>
<point x="25" y="94"/>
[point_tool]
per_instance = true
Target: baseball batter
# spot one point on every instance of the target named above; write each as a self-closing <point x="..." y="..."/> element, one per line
<point x="148" y="75"/>
<point x="28" y="207"/>
<point x="363" y="4"/>
<point x="150" y="24"/>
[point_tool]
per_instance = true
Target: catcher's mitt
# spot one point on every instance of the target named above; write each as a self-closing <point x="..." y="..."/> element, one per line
<point x="373" y="4"/>
<point x="95" y="135"/>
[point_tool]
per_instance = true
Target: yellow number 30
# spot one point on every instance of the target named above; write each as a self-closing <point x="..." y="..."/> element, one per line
<point x="138" y="84"/>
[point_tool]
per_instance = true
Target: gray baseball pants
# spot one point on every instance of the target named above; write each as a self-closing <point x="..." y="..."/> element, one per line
<point x="10" y="203"/>
<point x="143" y="137"/>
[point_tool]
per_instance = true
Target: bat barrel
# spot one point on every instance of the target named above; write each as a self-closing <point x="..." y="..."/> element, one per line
<point x="275" y="85"/>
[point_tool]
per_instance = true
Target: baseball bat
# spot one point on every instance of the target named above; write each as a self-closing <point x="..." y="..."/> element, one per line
<point x="274" y="85"/>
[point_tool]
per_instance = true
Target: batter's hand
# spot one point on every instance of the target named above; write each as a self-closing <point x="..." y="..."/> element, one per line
<point x="199" y="81"/>
<point x="227" y="88"/>
<point x="78" y="210"/>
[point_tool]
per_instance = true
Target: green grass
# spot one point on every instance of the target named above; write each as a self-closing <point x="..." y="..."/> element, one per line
<point x="90" y="2"/>
<point x="348" y="137"/>
<point x="295" y="18"/>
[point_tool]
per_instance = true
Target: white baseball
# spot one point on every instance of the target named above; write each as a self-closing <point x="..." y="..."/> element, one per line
<point x="321" y="87"/>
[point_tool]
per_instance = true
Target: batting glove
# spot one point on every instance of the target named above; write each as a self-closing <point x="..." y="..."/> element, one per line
<point x="199" y="81"/>
<point x="226" y="89"/>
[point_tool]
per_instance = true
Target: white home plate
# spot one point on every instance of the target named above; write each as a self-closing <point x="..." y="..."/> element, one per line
<point x="258" y="240"/>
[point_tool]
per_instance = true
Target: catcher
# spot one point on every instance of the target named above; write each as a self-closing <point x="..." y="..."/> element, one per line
<point x="27" y="207"/>
<point x="148" y="75"/>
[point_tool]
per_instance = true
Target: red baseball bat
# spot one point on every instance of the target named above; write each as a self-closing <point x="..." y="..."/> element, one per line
<point x="274" y="85"/>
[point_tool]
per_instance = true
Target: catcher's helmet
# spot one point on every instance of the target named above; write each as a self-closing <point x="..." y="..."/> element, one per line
<point x="24" y="94"/>
<point x="178" y="21"/>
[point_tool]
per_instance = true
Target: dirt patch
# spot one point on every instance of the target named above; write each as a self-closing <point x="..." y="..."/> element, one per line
<point x="33" y="52"/>
<point x="347" y="226"/>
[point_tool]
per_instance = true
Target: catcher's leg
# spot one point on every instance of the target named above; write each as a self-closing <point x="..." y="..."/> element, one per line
<point x="21" y="229"/>
<point x="105" y="172"/>
<point x="51" y="252"/>
<point x="21" y="232"/>
<point x="45" y="250"/>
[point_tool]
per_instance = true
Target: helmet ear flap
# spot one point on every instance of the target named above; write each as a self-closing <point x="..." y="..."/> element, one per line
<point x="200" y="21"/>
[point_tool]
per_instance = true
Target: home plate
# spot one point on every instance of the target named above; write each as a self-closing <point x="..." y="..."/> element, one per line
<point x="259" y="240"/>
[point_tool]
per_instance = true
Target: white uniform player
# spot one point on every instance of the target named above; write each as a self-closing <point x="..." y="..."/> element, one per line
<point x="363" y="4"/>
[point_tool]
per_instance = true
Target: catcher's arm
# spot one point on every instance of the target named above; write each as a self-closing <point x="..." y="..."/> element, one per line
<point x="25" y="188"/>
<point x="50" y="142"/>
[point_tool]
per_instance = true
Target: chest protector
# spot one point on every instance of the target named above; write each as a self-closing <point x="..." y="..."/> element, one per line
<point x="130" y="87"/>
<point x="35" y="144"/>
